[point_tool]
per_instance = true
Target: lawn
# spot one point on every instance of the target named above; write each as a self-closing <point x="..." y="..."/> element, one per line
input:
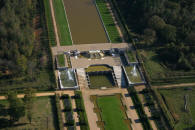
<point x="133" y="78"/>
<point x="101" y="80"/>
<point x="98" y="68"/>
<point x="44" y="115"/>
<point x="62" y="23"/>
<point x="61" y="60"/>
<point x="50" y="27"/>
<point x="108" y="21"/>
<point x="175" y="100"/>
<point x="111" y="113"/>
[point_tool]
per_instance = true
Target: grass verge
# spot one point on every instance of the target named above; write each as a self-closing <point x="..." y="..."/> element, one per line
<point x="108" y="21"/>
<point x="50" y="26"/>
<point x="62" y="23"/>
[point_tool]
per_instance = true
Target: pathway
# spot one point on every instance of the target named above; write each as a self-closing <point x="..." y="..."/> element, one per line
<point x="175" y="85"/>
<point x="54" y="23"/>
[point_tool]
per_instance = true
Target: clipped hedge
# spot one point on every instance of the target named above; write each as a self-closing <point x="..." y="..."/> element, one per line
<point x="68" y="112"/>
<point x="59" y="115"/>
<point x="139" y="108"/>
<point x="83" y="121"/>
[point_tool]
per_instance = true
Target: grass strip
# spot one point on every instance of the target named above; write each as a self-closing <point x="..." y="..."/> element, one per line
<point x="62" y="23"/>
<point x="50" y="27"/>
<point x="108" y="21"/>
<point x="61" y="61"/>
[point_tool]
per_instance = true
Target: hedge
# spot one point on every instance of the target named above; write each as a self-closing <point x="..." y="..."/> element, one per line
<point x="59" y="115"/>
<point x="139" y="108"/>
<point x="68" y="112"/>
<point x="83" y="121"/>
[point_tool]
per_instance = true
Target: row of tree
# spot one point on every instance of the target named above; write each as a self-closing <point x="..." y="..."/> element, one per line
<point x="165" y="24"/>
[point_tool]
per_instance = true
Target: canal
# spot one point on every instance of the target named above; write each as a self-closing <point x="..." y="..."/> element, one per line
<point x="85" y="24"/>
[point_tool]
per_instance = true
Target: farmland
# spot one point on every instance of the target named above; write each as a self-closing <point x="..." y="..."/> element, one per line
<point x="62" y="23"/>
<point x="108" y="21"/>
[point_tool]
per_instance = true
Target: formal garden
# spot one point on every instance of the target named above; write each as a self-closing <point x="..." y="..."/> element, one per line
<point x="179" y="106"/>
<point x="111" y="112"/>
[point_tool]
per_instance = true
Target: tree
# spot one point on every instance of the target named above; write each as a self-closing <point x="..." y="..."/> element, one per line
<point x="29" y="102"/>
<point x="168" y="33"/>
<point x="16" y="107"/>
<point x="156" y="22"/>
<point x="149" y="36"/>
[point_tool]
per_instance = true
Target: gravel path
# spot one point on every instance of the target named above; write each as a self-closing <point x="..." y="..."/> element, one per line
<point x="54" y="23"/>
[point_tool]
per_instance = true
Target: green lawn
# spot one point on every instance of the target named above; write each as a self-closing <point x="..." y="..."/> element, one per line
<point x="133" y="78"/>
<point x="61" y="61"/>
<point x="43" y="111"/>
<point x="101" y="80"/>
<point x="108" y="22"/>
<point x="50" y="27"/>
<point x="62" y="23"/>
<point x="175" y="98"/>
<point x="111" y="113"/>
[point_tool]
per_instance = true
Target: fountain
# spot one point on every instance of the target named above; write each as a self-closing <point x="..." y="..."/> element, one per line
<point x="69" y="75"/>
<point x="134" y="72"/>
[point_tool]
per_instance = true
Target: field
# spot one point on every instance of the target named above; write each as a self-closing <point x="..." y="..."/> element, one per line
<point x="111" y="113"/>
<point x="108" y="22"/>
<point x="174" y="99"/>
<point x="50" y="27"/>
<point x="62" y="23"/>
<point x="101" y="80"/>
<point x="61" y="61"/>
<point x="44" y="115"/>
<point x="159" y="74"/>
<point x="133" y="78"/>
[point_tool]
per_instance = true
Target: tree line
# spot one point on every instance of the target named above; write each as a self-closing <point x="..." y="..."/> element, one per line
<point x="16" y="36"/>
<point x="166" y="25"/>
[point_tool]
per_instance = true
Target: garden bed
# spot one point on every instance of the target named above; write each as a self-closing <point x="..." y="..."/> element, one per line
<point x="101" y="80"/>
<point x="111" y="112"/>
<point x="61" y="60"/>
<point x="98" y="68"/>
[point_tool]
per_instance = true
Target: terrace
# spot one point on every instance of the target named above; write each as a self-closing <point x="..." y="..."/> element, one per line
<point x="67" y="79"/>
